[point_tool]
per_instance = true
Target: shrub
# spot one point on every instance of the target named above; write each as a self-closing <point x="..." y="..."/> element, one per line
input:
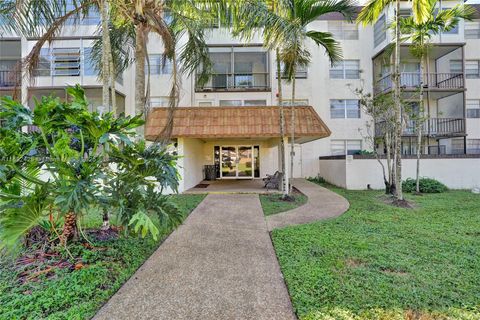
<point x="317" y="179"/>
<point x="427" y="185"/>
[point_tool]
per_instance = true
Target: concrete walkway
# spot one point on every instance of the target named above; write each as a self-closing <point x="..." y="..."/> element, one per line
<point x="322" y="203"/>
<point x="220" y="264"/>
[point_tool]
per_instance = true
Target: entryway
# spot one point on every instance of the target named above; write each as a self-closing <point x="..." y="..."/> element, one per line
<point x="238" y="162"/>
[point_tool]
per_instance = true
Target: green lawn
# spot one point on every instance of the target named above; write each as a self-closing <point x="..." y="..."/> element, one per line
<point x="79" y="294"/>
<point x="381" y="262"/>
<point x="271" y="203"/>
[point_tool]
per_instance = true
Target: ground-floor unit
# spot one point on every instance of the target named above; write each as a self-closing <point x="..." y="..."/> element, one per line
<point x="235" y="143"/>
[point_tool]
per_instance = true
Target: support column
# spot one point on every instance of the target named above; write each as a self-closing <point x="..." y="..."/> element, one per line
<point x="180" y="164"/>
<point x="287" y="166"/>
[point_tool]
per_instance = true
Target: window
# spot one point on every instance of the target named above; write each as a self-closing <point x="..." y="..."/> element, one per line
<point x="456" y="66"/>
<point x="473" y="146"/>
<point x="342" y="147"/>
<point x="44" y="64"/>
<point x="66" y="62"/>
<point x="472" y="30"/>
<point x="249" y="103"/>
<point x="238" y="68"/>
<point x="205" y="103"/>
<point x="230" y="103"/>
<point x="473" y="108"/>
<point x="88" y="65"/>
<point x="246" y="103"/>
<point x="457" y="146"/>
<point x="343" y="109"/>
<point x="379" y="31"/>
<point x="300" y="73"/>
<point x="298" y="102"/>
<point x="345" y="69"/>
<point x="92" y="18"/>
<point x="159" y="65"/>
<point x="158" y="102"/>
<point x="343" y="30"/>
<point x="472" y="69"/>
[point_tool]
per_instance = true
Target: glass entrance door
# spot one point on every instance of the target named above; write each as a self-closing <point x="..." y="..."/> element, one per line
<point x="237" y="162"/>
<point x="229" y="162"/>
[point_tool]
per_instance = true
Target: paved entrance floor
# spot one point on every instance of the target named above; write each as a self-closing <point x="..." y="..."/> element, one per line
<point x="232" y="186"/>
<point x="220" y="264"/>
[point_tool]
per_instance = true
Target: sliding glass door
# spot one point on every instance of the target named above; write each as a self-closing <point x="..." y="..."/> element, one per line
<point x="237" y="162"/>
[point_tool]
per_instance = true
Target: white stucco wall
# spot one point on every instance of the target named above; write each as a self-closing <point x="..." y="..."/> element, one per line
<point x="356" y="174"/>
<point x="334" y="171"/>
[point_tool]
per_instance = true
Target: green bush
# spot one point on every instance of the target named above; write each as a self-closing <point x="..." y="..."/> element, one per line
<point x="427" y="185"/>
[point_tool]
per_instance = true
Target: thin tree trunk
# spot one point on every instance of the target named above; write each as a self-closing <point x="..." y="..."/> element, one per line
<point x="420" y="123"/>
<point x="292" y="127"/>
<point x="398" y="109"/>
<point x="140" y="56"/>
<point x="113" y="77"/>
<point x="106" y="51"/>
<point x="285" y="188"/>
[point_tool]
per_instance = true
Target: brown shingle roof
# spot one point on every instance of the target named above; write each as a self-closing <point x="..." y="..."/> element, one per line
<point x="236" y="122"/>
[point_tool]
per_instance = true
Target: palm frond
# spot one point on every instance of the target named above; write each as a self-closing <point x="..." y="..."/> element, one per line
<point x="326" y="40"/>
<point x="372" y="10"/>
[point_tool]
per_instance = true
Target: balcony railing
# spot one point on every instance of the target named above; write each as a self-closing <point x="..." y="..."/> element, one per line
<point x="237" y="82"/>
<point x="430" y="127"/>
<point x="412" y="80"/>
<point x="9" y="79"/>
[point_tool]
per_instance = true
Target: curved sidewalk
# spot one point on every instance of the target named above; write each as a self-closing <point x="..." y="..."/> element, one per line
<point x="322" y="203"/>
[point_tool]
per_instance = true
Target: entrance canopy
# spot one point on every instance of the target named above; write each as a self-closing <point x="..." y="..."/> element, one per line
<point x="237" y="122"/>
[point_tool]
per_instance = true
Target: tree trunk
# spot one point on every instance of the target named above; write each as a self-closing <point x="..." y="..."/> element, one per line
<point x="140" y="56"/>
<point x="420" y="120"/>
<point x="106" y="51"/>
<point x="398" y="109"/>
<point x="69" y="227"/>
<point x="292" y="127"/>
<point x="285" y="188"/>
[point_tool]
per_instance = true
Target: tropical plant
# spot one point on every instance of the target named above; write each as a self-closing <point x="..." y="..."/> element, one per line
<point x="70" y="162"/>
<point x="419" y="33"/>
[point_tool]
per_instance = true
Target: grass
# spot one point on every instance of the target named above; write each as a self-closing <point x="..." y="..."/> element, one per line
<point x="381" y="262"/>
<point x="272" y="204"/>
<point x="79" y="294"/>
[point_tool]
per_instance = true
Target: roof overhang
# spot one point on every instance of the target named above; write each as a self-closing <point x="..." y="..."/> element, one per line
<point x="237" y="123"/>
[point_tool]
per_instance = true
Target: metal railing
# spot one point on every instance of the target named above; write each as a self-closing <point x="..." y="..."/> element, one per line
<point x="9" y="79"/>
<point x="413" y="80"/>
<point x="430" y="127"/>
<point x="237" y="82"/>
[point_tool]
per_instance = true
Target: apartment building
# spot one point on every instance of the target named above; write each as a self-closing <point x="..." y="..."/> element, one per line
<point x="231" y="122"/>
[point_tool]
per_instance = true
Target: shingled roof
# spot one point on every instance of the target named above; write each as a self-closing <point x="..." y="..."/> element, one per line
<point x="236" y="122"/>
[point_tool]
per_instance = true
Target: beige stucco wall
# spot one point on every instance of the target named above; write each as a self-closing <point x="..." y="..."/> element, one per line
<point x="195" y="153"/>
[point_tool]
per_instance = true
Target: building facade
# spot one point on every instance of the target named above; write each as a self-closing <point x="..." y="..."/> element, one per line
<point x="244" y="78"/>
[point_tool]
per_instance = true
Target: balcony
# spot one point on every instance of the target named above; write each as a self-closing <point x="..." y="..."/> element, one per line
<point x="252" y="81"/>
<point x="412" y="81"/>
<point x="433" y="127"/>
<point x="9" y="79"/>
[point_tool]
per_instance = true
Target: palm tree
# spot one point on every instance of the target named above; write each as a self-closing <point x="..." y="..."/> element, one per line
<point x="369" y="15"/>
<point x="171" y="21"/>
<point x="294" y="52"/>
<point x="284" y="25"/>
<point x="420" y="33"/>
